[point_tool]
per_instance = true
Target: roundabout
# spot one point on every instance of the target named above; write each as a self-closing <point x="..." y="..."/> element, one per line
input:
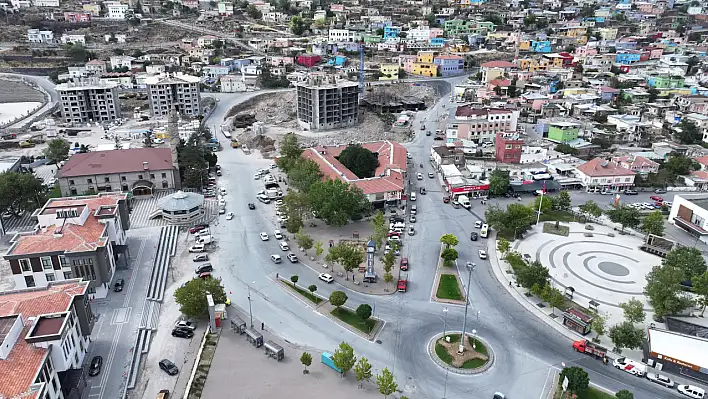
<point x="476" y="358"/>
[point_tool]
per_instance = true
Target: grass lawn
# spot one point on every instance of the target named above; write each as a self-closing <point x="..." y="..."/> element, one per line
<point x="445" y="356"/>
<point x="443" y="353"/>
<point x="591" y="393"/>
<point x="354" y="320"/>
<point x="306" y="293"/>
<point x="449" y="288"/>
<point x="551" y="229"/>
<point x="561" y="216"/>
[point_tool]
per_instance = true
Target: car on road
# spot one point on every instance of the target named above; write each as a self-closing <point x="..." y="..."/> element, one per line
<point x="408" y="154"/>
<point x="660" y="379"/>
<point x="482" y="254"/>
<point x="292" y="258"/>
<point x="118" y="286"/>
<point x="498" y="395"/>
<point x="630" y="192"/>
<point x="446" y="199"/>
<point x="412" y="219"/>
<point x="630" y="366"/>
<point x="284" y="246"/>
<point x="257" y="176"/>
<point x="197" y="228"/>
<point x="404" y="263"/>
<point x="168" y="367"/>
<point x="411" y="231"/>
<point x="222" y="211"/>
<point x="413" y="197"/>
<point x="656" y="198"/>
<point x="278" y="235"/>
<point x="427" y="133"/>
<point x="264" y="236"/>
<point x="229" y="216"/>
<point x="95" y="367"/>
<point x="251" y="206"/>
<point x="478" y="224"/>
<point x="325" y="277"/>
<point x="431" y="175"/>
<point x="414" y="210"/>
<point x="422" y="190"/>
<point x="186" y="324"/>
<point x="473" y="236"/>
<point x="204" y="268"/>
<point x="275" y="258"/>
<point x="197" y="248"/>
<point x="692" y="391"/>
<point x="396" y="251"/>
<point x="201" y="258"/>
<point x="419" y="176"/>
<point x="182" y="333"/>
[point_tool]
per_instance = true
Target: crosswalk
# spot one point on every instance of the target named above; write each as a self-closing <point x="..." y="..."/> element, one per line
<point x="144" y="207"/>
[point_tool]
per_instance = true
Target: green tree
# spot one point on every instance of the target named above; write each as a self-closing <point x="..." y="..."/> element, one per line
<point x="534" y="273"/>
<point x="590" y="208"/>
<point x="77" y="52"/>
<point x="450" y="240"/>
<point x="688" y="260"/>
<point x="338" y="298"/>
<point x="290" y="152"/>
<point x="294" y="224"/>
<point x="654" y="223"/>
<point x="294" y="278"/>
<point x="515" y="220"/>
<point x="562" y="201"/>
<point x="296" y="203"/>
<point x="337" y="202"/>
<point x="680" y="165"/>
<point x="624" y="394"/>
<point x="304" y="174"/>
<point x="388" y="278"/>
<point x="192" y="297"/>
<point x="297" y="25"/>
<point x="578" y="380"/>
<point x="664" y="291"/>
<point x="267" y="80"/>
<point x="625" y="216"/>
<point x="599" y="325"/>
<point x="364" y="311"/>
<point x="253" y="12"/>
<point x="544" y="203"/>
<point x="362" y="370"/>
<point x="503" y="246"/>
<point x="565" y="148"/>
<point x="633" y="311"/>
<point x="21" y="192"/>
<point x="361" y="161"/>
<point x="319" y="248"/>
<point x="389" y="259"/>
<point x="689" y="132"/>
<point x="625" y="335"/>
<point x="449" y="255"/>
<point x="306" y="360"/>
<point x="348" y="255"/>
<point x="304" y="241"/>
<point x="386" y="383"/>
<point x="57" y="150"/>
<point x="499" y="182"/>
<point x="700" y="288"/>
<point x="344" y="357"/>
<point x="379" y="228"/>
<point x="554" y="297"/>
<point x="312" y="288"/>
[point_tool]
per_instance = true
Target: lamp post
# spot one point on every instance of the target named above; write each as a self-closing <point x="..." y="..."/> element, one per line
<point x="250" y="310"/>
<point x="470" y="267"/>
<point x="444" y="321"/>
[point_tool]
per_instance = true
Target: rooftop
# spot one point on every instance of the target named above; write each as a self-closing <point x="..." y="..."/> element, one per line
<point x="116" y="161"/>
<point x="181" y="201"/>
<point x="599" y="167"/>
<point x="91" y="84"/>
<point x="498" y="64"/>
<point x="176" y="78"/>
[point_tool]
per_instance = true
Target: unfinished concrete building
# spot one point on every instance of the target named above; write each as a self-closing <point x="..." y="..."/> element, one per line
<point x="89" y="100"/>
<point x="323" y="103"/>
<point x="168" y="90"/>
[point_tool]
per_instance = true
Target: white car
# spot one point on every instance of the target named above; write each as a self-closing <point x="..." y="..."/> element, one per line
<point x="482" y="254"/>
<point x="431" y="175"/>
<point x="414" y="210"/>
<point x="692" y="391"/>
<point x="222" y="202"/>
<point x="197" y="248"/>
<point x="256" y="176"/>
<point x="409" y="156"/>
<point x="413" y="197"/>
<point x="411" y="231"/>
<point x="275" y="258"/>
<point x="478" y="224"/>
<point x="229" y="216"/>
<point x="264" y="236"/>
<point x="284" y="246"/>
<point x="278" y="235"/>
<point x="419" y="176"/>
<point x="186" y="324"/>
<point x="660" y="379"/>
<point x="325" y="277"/>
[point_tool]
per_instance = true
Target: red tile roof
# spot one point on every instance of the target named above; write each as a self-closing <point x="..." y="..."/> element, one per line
<point x="599" y="167"/>
<point x="500" y="82"/>
<point x="636" y="161"/>
<point x="25" y="360"/>
<point x="702" y="160"/>
<point x="116" y="161"/>
<point x="498" y="64"/>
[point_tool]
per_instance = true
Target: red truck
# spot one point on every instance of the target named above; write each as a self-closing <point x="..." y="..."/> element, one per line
<point x="585" y="346"/>
<point x="403" y="282"/>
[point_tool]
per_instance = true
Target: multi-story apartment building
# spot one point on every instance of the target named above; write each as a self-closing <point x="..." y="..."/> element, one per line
<point x="509" y="147"/>
<point x="40" y="36"/>
<point x="116" y="10"/>
<point x="45" y="334"/>
<point x="323" y="103"/>
<point x="343" y="35"/>
<point x="600" y="174"/>
<point x="67" y="38"/>
<point x="165" y="91"/>
<point x="89" y="101"/>
<point x="480" y="124"/>
<point x="77" y="237"/>
<point x="75" y="17"/>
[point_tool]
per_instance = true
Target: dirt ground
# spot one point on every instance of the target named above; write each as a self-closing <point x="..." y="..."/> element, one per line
<point x="468" y="354"/>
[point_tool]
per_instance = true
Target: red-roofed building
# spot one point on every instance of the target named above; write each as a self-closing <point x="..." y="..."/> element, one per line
<point x="601" y="174"/>
<point x="496" y="70"/>
<point x="387" y="187"/>
<point x="77" y="237"/>
<point x="480" y="124"/>
<point x="638" y="164"/>
<point x="44" y="337"/>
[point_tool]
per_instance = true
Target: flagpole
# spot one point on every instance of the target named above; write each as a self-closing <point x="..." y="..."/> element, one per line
<point x="538" y="215"/>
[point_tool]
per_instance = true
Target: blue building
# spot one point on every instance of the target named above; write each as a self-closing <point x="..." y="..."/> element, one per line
<point x="437" y="41"/>
<point x="541" y="46"/>
<point x="627" y="58"/>
<point x="391" y="32"/>
<point x="449" y="65"/>
<point x="337" y="60"/>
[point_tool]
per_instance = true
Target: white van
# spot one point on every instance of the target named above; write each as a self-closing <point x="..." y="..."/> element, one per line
<point x="630" y="366"/>
<point x="692" y="391"/>
<point x="484" y="232"/>
<point x="284" y="246"/>
<point x="204" y="239"/>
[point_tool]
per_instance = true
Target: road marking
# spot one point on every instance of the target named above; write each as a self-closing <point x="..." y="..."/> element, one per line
<point x="110" y="357"/>
<point x="543" y="390"/>
<point x="121" y="315"/>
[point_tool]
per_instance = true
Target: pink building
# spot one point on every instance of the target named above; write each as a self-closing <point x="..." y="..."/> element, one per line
<point x="481" y="124"/>
<point x="77" y="17"/>
<point x="281" y="61"/>
<point x="436" y="32"/>
<point x="406" y="62"/>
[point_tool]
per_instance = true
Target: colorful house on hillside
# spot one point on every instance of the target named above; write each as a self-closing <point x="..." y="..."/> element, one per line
<point x="391" y="32"/>
<point x="540" y="46"/>
<point x="627" y="58"/>
<point x="308" y="60"/>
<point x="666" y="81"/>
<point x="563" y="132"/>
<point x="449" y="64"/>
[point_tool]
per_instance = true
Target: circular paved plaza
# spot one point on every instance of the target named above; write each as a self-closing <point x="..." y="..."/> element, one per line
<point x="608" y="270"/>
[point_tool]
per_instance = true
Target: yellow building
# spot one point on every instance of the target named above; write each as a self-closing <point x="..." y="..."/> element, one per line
<point x="93" y="9"/>
<point x="389" y="71"/>
<point x="577" y="31"/>
<point x="525" y="45"/>
<point x="608" y="33"/>
<point x="459" y="48"/>
<point x="426" y="57"/>
<point x="553" y="60"/>
<point x="425" y="69"/>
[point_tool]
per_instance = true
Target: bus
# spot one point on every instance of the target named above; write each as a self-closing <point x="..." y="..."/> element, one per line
<point x="485" y="231"/>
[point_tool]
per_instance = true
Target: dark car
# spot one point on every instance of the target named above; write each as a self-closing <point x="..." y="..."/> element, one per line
<point x="168" y="367"/>
<point x="427" y="133"/>
<point x="95" y="367"/>
<point x="404" y="263"/>
<point x="251" y="206"/>
<point x="205" y="268"/>
<point x="182" y="333"/>
<point x="118" y="286"/>
<point x="423" y="191"/>
<point x="198" y="227"/>
<point x="473" y="236"/>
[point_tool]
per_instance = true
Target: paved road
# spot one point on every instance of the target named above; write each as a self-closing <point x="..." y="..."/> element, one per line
<point x="48" y="86"/>
<point x="526" y="348"/>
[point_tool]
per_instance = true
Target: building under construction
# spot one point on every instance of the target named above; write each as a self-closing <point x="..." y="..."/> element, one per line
<point x="324" y="103"/>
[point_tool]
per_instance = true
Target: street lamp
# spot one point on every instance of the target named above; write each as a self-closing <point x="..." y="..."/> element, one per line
<point x="250" y="310"/>
<point x="444" y="321"/>
<point x="470" y="267"/>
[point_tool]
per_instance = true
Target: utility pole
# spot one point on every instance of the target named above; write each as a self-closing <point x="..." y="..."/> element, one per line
<point x="470" y="267"/>
<point x="250" y="311"/>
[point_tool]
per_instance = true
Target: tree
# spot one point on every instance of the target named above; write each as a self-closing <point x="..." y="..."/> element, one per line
<point x="297" y="25"/>
<point x="363" y="311"/>
<point x="625" y="216"/>
<point x="306" y="360"/>
<point x="624" y="394"/>
<point x="253" y="12"/>
<point x="386" y="383"/>
<point x="379" y="228"/>
<point x="689" y="132"/>
<point x="503" y="246"/>
<point x="77" y="52"/>
<point x="362" y="370"/>
<point x="562" y="201"/>
<point x="535" y="273"/>
<point x="590" y="208"/>
<point x="633" y="311"/>
<point x="312" y="288"/>
<point x="344" y="357"/>
<point x="578" y="380"/>
<point x="336" y="202"/>
<point x="304" y="174"/>
<point x="304" y="241"/>
<point x="515" y="220"/>
<point x="294" y="278"/>
<point x="449" y="255"/>
<point x="388" y="278"/>
<point x="389" y="259"/>
<point x="361" y="161"/>
<point x="338" y="298"/>
<point x="625" y="335"/>
<point x="267" y="80"/>
<point x="544" y="203"/>
<point x="554" y="297"/>
<point x="564" y="148"/>
<point x="450" y="240"/>
<point x="57" y="150"/>
<point x="290" y="152"/>
<point x="192" y="296"/>
<point x="599" y="324"/>
<point x="319" y="248"/>
<point x="147" y="140"/>
<point x="680" y="165"/>
<point x="688" y="260"/>
<point x="664" y="291"/>
<point x="294" y="224"/>
<point x="530" y="20"/>
<point x="499" y="182"/>
<point x="21" y="192"/>
<point x="700" y="288"/>
<point x="654" y="223"/>
<point x="348" y="255"/>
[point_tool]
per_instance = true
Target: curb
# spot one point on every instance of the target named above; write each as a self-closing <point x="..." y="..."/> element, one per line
<point x="434" y="356"/>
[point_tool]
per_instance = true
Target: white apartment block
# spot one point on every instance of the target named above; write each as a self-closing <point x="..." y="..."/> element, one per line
<point x="165" y="91"/>
<point x="343" y="35"/>
<point x="89" y="101"/>
<point x="232" y="84"/>
<point x="418" y="35"/>
<point x="40" y="36"/>
<point x="45" y="3"/>
<point x="120" y="61"/>
<point x="73" y="39"/>
<point x="116" y="10"/>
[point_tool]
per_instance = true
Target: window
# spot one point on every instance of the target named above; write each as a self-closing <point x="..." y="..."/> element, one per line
<point x="165" y="184"/>
<point x="50" y="277"/>
<point x="106" y="179"/>
<point x="140" y="177"/>
<point x="68" y="275"/>
<point x="25" y="265"/>
<point x="122" y="178"/>
<point x="73" y="191"/>
<point x="46" y="263"/>
<point x="62" y="261"/>
<point x="71" y="182"/>
<point x="89" y="181"/>
<point x="29" y="281"/>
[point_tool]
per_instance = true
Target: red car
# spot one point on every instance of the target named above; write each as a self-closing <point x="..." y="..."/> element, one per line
<point x="446" y="199"/>
<point x="197" y="228"/>
<point x="656" y="198"/>
<point x="404" y="263"/>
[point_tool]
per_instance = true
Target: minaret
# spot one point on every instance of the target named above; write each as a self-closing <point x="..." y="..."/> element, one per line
<point x="173" y="133"/>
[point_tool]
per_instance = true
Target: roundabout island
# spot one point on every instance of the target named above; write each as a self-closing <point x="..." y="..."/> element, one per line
<point x="474" y="356"/>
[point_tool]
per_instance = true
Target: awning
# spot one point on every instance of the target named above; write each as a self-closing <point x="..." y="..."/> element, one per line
<point x="694" y="228"/>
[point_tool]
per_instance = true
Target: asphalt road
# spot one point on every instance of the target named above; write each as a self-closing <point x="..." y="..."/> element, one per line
<point x="525" y="347"/>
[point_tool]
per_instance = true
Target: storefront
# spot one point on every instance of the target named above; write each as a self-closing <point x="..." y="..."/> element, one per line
<point x="470" y="190"/>
<point x="577" y="321"/>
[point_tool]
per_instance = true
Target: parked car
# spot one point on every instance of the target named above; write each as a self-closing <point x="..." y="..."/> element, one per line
<point x="692" y="391"/>
<point x="413" y="197"/>
<point x="197" y="228"/>
<point x="284" y="246"/>
<point x="264" y="236"/>
<point x="419" y="176"/>
<point x="201" y="258"/>
<point x="229" y="216"/>
<point x="412" y="219"/>
<point x="168" y="367"/>
<point x="275" y="258"/>
<point x="498" y="395"/>
<point x="118" y="285"/>
<point x="656" y="198"/>
<point x="659" y="191"/>
<point x="630" y="192"/>
<point x="204" y="268"/>
<point x="660" y="379"/>
<point x="186" y="324"/>
<point x="422" y="191"/>
<point x="404" y="263"/>
<point x="182" y="333"/>
<point x="251" y="206"/>
<point x="473" y="236"/>
<point x="197" y="248"/>
<point x="292" y="258"/>
<point x="414" y="210"/>
<point x="411" y="231"/>
<point x="278" y="235"/>
<point x="326" y="278"/>
<point x="478" y="224"/>
<point x="431" y="175"/>
<point x="95" y="367"/>
<point x="482" y="254"/>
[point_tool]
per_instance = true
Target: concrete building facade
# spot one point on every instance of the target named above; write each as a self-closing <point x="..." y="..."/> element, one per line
<point x="323" y="103"/>
<point x="178" y="89"/>
<point x="89" y="101"/>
